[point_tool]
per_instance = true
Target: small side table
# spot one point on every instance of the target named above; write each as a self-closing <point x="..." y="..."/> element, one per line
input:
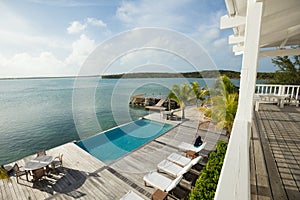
<point x="190" y="154"/>
<point x="159" y="195"/>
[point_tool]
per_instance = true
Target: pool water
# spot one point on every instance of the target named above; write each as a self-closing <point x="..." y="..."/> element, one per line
<point x="117" y="142"/>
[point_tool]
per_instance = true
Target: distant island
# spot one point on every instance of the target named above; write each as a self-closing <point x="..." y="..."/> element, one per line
<point x="203" y="74"/>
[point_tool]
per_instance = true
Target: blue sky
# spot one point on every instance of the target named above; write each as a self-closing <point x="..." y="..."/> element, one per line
<point x="55" y="37"/>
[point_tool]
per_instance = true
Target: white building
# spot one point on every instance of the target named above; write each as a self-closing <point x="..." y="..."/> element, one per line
<point x="261" y="28"/>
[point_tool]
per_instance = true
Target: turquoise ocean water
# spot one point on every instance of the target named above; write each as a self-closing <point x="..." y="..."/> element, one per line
<point x="38" y="114"/>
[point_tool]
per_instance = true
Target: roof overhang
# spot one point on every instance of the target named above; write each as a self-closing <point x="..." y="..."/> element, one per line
<point x="280" y="26"/>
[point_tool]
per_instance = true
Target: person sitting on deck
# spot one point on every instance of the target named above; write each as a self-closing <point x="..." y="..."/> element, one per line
<point x="198" y="141"/>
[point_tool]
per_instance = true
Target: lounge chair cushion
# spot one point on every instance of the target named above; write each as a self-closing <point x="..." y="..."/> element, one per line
<point x="131" y="196"/>
<point x="174" y="169"/>
<point x="161" y="182"/>
<point x="186" y="146"/>
<point x="169" y="168"/>
<point x="179" y="159"/>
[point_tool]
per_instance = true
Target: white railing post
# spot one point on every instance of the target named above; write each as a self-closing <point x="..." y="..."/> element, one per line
<point x="280" y="90"/>
<point x="297" y="93"/>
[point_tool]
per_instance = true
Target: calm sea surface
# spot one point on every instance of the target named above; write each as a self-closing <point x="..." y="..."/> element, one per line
<point x="38" y="114"/>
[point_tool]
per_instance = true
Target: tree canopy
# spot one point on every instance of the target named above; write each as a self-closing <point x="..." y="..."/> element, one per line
<point x="224" y="101"/>
<point x="182" y="95"/>
<point x="289" y="70"/>
<point x="201" y="93"/>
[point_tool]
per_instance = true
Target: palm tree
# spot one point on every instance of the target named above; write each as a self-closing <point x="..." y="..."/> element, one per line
<point x="182" y="95"/>
<point x="224" y="86"/>
<point x="200" y="93"/>
<point x="224" y="101"/>
<point x="224" y="110"/>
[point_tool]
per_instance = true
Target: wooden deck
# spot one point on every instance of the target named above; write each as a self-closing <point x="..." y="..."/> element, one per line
<point x="85" y="177"/>
<point x="275" y="153"/>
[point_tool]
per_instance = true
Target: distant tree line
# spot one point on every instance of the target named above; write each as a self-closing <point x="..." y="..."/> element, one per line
<point x="204" y="74"/>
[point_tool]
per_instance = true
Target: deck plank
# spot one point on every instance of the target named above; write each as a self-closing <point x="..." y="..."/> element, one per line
<point x="279" y="135"/>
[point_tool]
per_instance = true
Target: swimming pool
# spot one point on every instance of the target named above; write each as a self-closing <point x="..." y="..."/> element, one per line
<point x="115" y="143"/>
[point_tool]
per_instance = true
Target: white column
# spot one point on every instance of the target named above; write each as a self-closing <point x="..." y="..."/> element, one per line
<point x="249" y="63"/>
<point x="234" y="182"/>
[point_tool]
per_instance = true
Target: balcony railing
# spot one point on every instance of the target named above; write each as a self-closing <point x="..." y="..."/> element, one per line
<point x="269" y="89"/>
<point x="234" y="181"/>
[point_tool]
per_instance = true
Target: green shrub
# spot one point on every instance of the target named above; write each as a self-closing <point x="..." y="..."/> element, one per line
<point x="3" y="174"/>
<point x="206" y="184"/>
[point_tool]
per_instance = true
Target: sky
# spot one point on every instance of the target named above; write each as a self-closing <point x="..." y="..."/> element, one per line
<point x="42" y="38"/>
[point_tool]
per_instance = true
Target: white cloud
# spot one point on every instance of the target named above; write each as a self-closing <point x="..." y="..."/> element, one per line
<point x="219" y="43"/>
<point x="149" y="13"/>
<point x="73" y="3"/>
<point x="17" y="34"/>
<point x="209" y="30"/>
<point x="26" y="65"/>
<point x="201" y="23"/>
<point x="125" y="12"/>
<point x="46" y="63"/>
<point x="17" y="40"/>
<point x="24" y="51"/>
<point x="96" y="22"/>
<point x="154" y="60"/>
<point x="81" y="48"/>
<point x="11" y="20"/>
<point x="209" y="35"/>
<point x="76" y="27"/>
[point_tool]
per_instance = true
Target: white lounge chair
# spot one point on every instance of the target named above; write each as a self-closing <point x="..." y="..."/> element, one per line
<point x="131" y="196"/>
<point x="170" y="114"/>
<point x="174" y="169"/>
<point x="161" y="182"/>
<point x="186" y="146"/>
<point x="179" y="159"/>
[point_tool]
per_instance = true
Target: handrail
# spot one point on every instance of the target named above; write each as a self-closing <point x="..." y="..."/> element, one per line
<point x="236" y="166"/>
<point x="275" y="89"/>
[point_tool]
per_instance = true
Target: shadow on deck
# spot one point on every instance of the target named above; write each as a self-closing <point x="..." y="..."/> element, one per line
<point x="275" y="153"/>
